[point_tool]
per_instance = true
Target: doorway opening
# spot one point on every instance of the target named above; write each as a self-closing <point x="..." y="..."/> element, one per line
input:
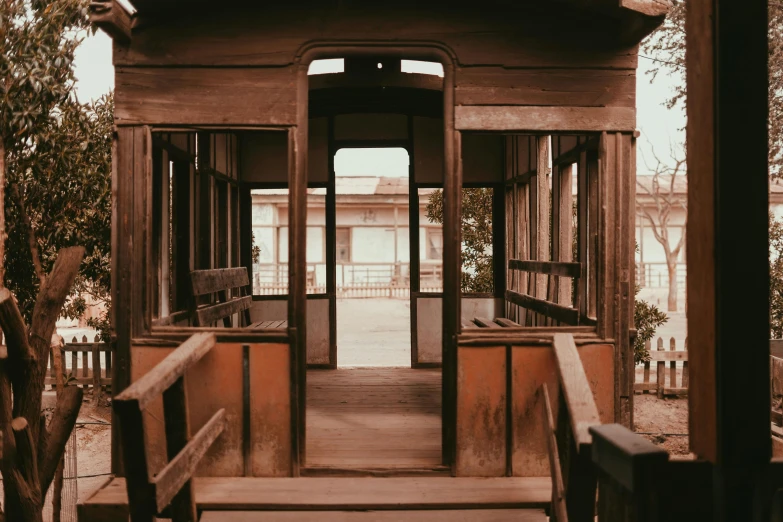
<point x="375" y="139"/>
<point x="372" y="257"/>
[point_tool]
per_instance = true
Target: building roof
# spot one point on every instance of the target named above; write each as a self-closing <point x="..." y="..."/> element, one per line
<point x="644" y="184"/>
<point x="358" y="186"/>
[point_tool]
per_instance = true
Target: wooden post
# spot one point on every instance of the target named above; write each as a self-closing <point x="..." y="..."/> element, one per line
<point x="672" y="365"/>
<point x="728" y="321"/>
<point x="685" y="367"/>
<point x="661" y="371"/>
<point x="566" y="235"/>
<point x="647" y="346"/>
<point x="543" y="172"/>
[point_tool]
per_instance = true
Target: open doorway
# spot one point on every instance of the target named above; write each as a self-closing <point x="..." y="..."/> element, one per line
<point x="374" y="126"/>
<point x="372" y="269"/>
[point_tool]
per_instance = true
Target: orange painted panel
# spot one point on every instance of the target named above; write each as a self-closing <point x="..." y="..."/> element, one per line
<point x="270" y="410"/>
<point x="481" y="411"/>
<point x="532" y="366"/>
<point x="216" y="382"/>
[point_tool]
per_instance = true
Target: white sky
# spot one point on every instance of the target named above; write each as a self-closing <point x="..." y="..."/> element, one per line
<point x="659" y="126"/>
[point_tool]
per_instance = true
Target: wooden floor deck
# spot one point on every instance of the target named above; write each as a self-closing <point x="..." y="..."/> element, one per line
<point x="340" y="494"/>
<point x="374" y="418"/>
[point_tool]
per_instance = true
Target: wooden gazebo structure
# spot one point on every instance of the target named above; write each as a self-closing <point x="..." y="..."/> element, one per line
<point x="536" y="102"/>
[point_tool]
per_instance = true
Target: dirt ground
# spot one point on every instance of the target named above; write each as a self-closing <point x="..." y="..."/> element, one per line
<point x="663" y="421"/>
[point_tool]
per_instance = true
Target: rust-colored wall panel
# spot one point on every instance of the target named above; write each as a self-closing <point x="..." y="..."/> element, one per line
<point x="216" y="382"/>
<point x="270" y="410"/>
<point x="481" y="411"/>
<point x="532" y="366"/>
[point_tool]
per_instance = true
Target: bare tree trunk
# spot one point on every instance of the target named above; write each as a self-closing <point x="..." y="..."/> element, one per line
<point x="671" y="265"/>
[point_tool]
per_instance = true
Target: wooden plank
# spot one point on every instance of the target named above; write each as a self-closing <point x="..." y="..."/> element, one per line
<point x="521" y="36"/>
<point x="558" y="312"/>
<point x="558" y="268"/>
<point x="358" y="493"/>
<point x="672" y="364"/>
<point x="111" y="16"/>
<point x="543" y="234"/>
<point x="544" y="119"/>
<point x="165" y="374"/>
<point x="177" y="424"/>
<point x="645" y="386"/>
<point x="481" y="411"/>
<point x="506" y="323"/>
<point x="486" y="323"/>
<point x="669" y="356"/>
<point x="547" y="87"/>
<point x="210" y="281"/>
<point x="558" y="488"/>
<point x="180" y="469"/>
<point x="628" y="458"/>
<point x="211" y="313"/>
<point x="661" y="378"/>
<point x="576" y="390"/>
<point x="189" y="96"/>
<point x="349" y="409"/>
<point x="473" y="515"/>
<point x="566" y="232"/>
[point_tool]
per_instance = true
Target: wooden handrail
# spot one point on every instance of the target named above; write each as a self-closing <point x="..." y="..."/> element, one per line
<point x="179" y="470"/>
<point x="558" y="487"/>
<point x="628" y="458"/>
<point x="564" y="314"/>
<point x="173" y="486"/>
<point x="579" y="400"/>
<point x="164" y="374"/>
<point x="557" y="268"/>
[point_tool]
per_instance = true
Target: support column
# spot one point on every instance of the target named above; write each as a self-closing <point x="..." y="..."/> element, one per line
<point x="727" y="255"/>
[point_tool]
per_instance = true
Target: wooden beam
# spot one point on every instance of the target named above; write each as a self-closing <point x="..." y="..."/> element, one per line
<point x="544" y="119"/>
<point x="626" y="457"/>
<point x="555" y="311"/>
<point x="566" y="232"/>
<point x="112" y="17"/>
<point x="558" y="488"/>
<point x="727" y="132"/>
<point x="180" y="469"/>
<point x="578" y="395"/>
<point x="153" y="383"/>
<point x="558" y="268"/>
<point x="542" y="247"/>
<point x="211" y="313"/>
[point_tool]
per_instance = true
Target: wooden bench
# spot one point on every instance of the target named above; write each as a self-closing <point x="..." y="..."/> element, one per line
<point x="484" y="322"/>
<point x="220" y="283"/>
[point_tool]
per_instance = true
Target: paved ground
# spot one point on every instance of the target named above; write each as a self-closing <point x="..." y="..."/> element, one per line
<point x="373" y="332"/>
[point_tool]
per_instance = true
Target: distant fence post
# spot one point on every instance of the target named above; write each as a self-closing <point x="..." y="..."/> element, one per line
<point x="661" y="370"/>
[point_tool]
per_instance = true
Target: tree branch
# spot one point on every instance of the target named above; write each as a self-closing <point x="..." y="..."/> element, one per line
<point x="63" y="420"/>
<point x="32" y="241"/>
<point x="51" y="297"/>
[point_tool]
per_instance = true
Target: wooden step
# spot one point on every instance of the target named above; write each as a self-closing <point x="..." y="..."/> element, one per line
<point x="341" y="494"/>
<point x="451" y="515"/>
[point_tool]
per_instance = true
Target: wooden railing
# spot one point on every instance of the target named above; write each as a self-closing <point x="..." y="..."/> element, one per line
<point x="570" y="441"/>
<point x="95" y="359"/>
<point x="172" y="487"/>
<point x="554" y="307"/>
<point x="661" y="357"/>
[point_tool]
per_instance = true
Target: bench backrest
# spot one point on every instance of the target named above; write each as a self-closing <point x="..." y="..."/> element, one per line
<point x="219" y="282"/>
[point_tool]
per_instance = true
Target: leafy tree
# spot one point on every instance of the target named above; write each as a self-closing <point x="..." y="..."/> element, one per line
<point x="647" y="318"/>
<point x="477" y="275"/>
<point x="666" y="47"/>
<point x="54" y="194"/>
<point x="776" y="277"/>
